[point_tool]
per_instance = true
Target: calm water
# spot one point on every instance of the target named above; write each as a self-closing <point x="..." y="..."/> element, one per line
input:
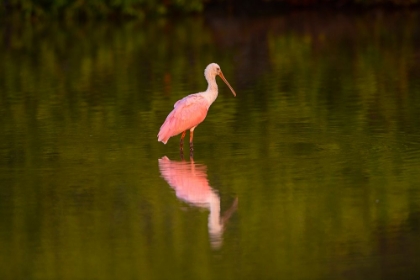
<point x="311" y="172"/>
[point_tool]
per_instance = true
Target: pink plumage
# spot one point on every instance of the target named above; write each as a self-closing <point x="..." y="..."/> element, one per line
<point x="191" y="110"/>
<point x="187" y="114"/>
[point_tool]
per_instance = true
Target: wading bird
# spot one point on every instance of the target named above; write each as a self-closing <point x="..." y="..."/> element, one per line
<point x="191" y="110"/>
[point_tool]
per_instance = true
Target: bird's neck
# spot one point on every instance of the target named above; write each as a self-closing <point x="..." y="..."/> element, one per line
<point x="212" y="91"/>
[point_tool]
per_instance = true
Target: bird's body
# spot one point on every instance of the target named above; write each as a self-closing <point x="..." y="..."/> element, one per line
<point x="191" y="110"/>
<point x="188" y="112"/>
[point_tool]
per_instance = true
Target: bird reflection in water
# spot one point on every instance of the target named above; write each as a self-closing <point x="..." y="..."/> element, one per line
<point x="189" y="180"/>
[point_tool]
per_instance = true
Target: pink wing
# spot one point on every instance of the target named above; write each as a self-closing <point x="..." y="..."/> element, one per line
<point x="189" y="112"/>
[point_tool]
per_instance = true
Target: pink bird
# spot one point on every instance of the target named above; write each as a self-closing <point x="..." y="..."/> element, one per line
<point x="191" y="110"/>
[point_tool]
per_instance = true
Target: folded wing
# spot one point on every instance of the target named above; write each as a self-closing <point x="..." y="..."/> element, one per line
<point x="187" y="113"/>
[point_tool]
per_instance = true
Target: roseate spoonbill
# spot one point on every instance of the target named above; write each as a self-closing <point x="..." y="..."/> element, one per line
<point x="189" y="180"/>
<point x="191" y="110"/>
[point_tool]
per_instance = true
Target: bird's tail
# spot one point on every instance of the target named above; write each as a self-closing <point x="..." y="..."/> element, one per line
<point x="163" y="135"/>
<point x="167" y="130"/>
<point x="162" y="138"/>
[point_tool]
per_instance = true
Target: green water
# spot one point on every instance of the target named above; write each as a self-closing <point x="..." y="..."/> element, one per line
<point x="314" y="165"/>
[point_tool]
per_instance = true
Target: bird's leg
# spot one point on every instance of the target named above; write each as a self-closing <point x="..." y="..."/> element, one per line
<point x="181" y="143"/>
<point x="191" y="141"/>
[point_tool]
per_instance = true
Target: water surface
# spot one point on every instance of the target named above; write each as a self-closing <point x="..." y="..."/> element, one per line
<point x="311" y="172"/>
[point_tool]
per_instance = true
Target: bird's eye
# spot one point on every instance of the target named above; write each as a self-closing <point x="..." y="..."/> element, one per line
<point x="218" y="69"/>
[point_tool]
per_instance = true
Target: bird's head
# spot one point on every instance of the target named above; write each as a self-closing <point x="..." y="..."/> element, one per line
<point x="212" y="70"/>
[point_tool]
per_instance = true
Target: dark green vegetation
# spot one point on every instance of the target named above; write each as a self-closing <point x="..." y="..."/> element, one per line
<point x="141" y="8"/>
<point x="99" y="8"/>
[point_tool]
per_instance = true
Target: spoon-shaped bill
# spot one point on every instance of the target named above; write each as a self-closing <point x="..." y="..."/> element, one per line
<point x="224" y="80"/>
